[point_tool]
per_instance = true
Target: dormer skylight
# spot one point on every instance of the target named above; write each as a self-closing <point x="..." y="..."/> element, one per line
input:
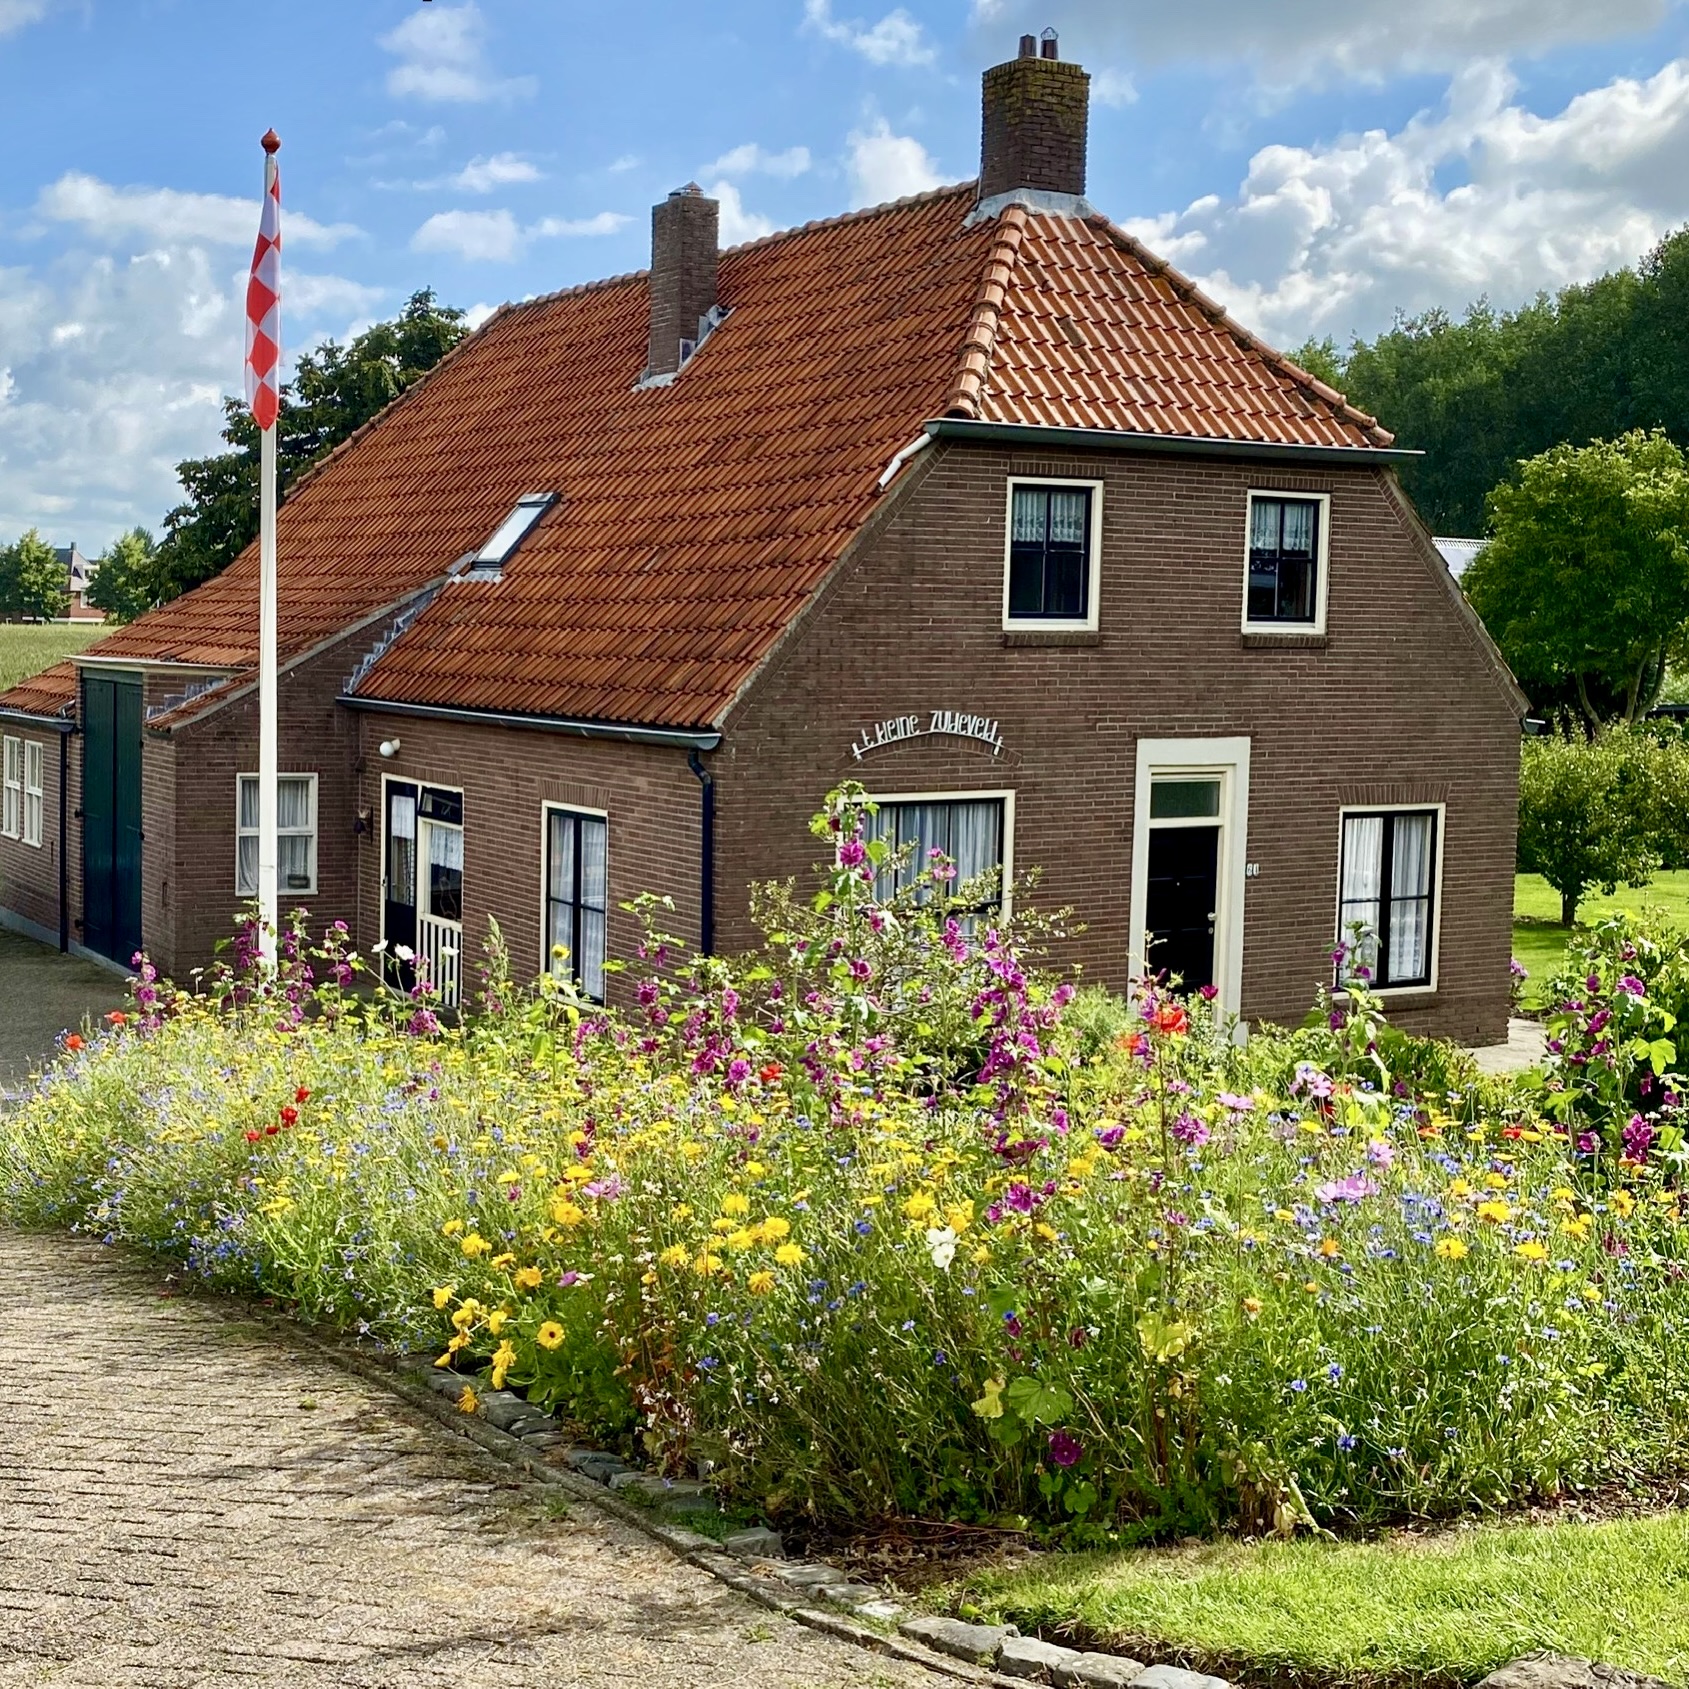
<point x="511" y="532"/>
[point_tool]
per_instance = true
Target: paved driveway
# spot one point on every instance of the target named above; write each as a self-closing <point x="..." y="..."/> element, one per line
<point x="41" y="995"/>
<point x="186" y="1503"/>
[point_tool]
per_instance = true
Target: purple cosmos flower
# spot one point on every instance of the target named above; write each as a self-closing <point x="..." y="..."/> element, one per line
<point x="1381" y="1154"/>
<point x="1638" y="1135"/>
<point x="1020" y="1197"/>
<point x="1235" y="1104"/>
<point x="1354" y="1187"/>
<point x="1066" y="1449"/>
<point x="1189" y="1130"/>
<point x="1630" y="983"/>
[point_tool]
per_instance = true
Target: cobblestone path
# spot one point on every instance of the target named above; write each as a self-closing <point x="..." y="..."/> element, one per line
<point x="186" y="1502"/>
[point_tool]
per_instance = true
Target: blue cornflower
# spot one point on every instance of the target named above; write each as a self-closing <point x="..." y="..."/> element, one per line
<point x="1334" y="1372"/>
<point x="708" y="1363"/>
<point x="1299" y="1385"/>
<point x="1348" y="1442"/>
<point x="712" y="1319"/>
<point x="864" y="1226"/>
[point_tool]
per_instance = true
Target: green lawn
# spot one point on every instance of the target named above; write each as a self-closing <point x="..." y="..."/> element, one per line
<point x="1539" y="940"/>
<point x="1446" y="1610"/>
<point x="27" y="649"/>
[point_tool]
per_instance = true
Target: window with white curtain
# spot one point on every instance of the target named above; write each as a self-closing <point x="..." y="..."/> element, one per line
<point x="1286" y="549"/>
<point x="577" y="896"/>
<point x="969" y="831"/>
<point x="11" y="803"/>
<point x="1050" y="566"/>
<point x="1386" y="915"/>
<point x="296" y="835"/>
<point x="34" y="794"/>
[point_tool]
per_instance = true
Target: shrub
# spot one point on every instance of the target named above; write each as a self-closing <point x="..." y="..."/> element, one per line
<point x="866" y="1222"/>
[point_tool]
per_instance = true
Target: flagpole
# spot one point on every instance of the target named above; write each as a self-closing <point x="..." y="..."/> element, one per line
<point x="268" y="756"/>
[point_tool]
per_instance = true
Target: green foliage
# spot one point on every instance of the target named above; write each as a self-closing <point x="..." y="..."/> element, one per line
<point x="34" y="584"/>
<point x="26" y="650"/>
<point x="1478" y="393"/>
<point x="1596" y="812"/>
<point x="335" y="390"/>
<point x="1585" y="581"/>
<point x="127" y="584"/>
<point x="1100" y="1280"/>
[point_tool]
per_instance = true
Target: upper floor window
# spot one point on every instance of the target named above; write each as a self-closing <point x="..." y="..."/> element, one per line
<point x="1386" y="917"/>
<point x="1287" y="549"/>
<point x="1052" y="576"/>
<point x="296" y="835"/>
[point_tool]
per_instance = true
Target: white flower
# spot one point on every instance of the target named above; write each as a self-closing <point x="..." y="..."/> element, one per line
<point x="941" y="1245"/>
<point x="404" y="952"/>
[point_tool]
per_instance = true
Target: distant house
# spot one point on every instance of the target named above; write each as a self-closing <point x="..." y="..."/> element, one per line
<point x="79" y="573"/>
<point x="970" y="497"/>
<point x="1458" y="554"/>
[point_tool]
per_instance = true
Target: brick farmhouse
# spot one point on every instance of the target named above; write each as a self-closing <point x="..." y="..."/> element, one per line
<point x="969" y="497"/>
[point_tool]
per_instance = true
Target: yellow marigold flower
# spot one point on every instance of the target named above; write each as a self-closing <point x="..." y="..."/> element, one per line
<point x="981" y="1255"/>
<point x="1452" y="1248"/>
<point x="528" y="1278"/>
<point x="451" y="1228"/>
<point x="759" y="1284"/>
<point x="1082" y="1166"/>
<point x="459" y="1341"/>
<point x="1285" y="1216"/>
<point x="497" y="1320"/>
<point x="1252" y="1305"/>
<point x="504" y="1358"/>
<point x="774" y="1228"/>
<point x="1497" y="1212"/>
<point x="1460" y="1190"/>
<point x="1532" y="1251"/>
<point x="691" y="1150"/>
<point x="789" y="1255"/>
<point x="466" y="1315"/>
<point x="722" y="1224"/>
<point x="549" y="1335"/>
<point x="1330" y="1248"/>
<point x="441" y="1141"/>
<point x="445" y="1359"/>
<point x="707" y="1264"/>
<point x="681" y="1211"/>
<point x="735" y="1202"/>
<point x="566" y="1213"/>
<point x="468" y="1402"/>
<point x="1495" y="1181"/>
<point x="755" y="1169"/>
<point x="474" y="1245"/>
<point x="920" y="1206"/>
<point x="1046" y="1231"/>
<point x="676" y="1255"/>
<point x="443" y="1294"/>
<point x="509" y="1177"/>
<point x="500" y="1262"/>
<point x="1622" y="1203"/>
<point x="741" y="1240"/>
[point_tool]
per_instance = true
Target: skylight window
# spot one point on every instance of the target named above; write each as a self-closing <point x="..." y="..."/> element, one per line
<point x="513" y="530"/>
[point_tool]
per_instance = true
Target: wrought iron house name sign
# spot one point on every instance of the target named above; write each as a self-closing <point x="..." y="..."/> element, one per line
<point x="954" y="723"/>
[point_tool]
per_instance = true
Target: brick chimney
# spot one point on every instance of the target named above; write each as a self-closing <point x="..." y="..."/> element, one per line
<point x="683" y="265"/>
<point x="1036" y="109"/>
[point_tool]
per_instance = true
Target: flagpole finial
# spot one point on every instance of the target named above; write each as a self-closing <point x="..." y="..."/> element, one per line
<point x="271" y="142"/>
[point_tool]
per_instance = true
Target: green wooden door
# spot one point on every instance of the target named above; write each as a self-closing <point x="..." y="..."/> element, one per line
<point x="111" y="816"/>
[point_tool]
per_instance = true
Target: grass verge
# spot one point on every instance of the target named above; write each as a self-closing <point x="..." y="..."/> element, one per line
<point x="1423" y="1611"/>
<point x="27" y="649"/>
<point x="1539" y="941"/>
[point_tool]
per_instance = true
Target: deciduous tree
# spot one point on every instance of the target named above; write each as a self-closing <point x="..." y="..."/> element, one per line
<point x="33" y="582"/>
<point x="126" y="584"/>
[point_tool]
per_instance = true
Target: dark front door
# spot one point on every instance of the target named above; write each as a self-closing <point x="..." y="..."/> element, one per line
<point x="111" y="816"/>
<point x="398" y="881"/>
<point x="1181" y="907"/>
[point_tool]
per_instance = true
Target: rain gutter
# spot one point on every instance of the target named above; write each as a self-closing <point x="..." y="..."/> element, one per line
<point x="680" y="738"/>
<point x="1035" y="435"/>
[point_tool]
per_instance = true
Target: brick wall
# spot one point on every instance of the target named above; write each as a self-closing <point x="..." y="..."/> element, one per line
<point x="1033" y="127"/>
<point x="683" y="273"/>
<point x="29" y="874"/>
<point x="506" y="776"/>
<point x="1398" y="703"/>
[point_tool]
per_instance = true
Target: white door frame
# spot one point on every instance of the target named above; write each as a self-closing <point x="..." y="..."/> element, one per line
<point x="1229" y="760"/>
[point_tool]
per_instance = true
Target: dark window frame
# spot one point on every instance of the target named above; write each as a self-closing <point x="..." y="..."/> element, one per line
<point x="576" y="903"/>
<point x="1025" y="558"/>
<point x="1260" y="560"/>
<point x="1380" y="961"/>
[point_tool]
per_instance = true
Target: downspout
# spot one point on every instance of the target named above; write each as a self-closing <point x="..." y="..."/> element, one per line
<point x="64" y="843"/>
<point x="706" y="864"/>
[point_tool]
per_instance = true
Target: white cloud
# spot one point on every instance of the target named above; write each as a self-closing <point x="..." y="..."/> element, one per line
<point x="482" y="175"/>
<point x="477" y="314"/>
<point x="1334" y="238"/>
<point x="495" y="237"/>
<point x="20" y="14"/>
<point x="1113" y="88"/>
<point x="753" y="159"/>
<point x="627" y="161"/>
<point x="886" y="166"/>
<point x="442" y="56"/>
<point x="115" y="214"/>
<point x="897" y="39"/>
<point x="737" y="224"/>
<point x="1298" y="41"/>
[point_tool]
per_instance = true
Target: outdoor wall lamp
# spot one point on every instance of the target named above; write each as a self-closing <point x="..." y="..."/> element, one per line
<point x="389" y="747"/>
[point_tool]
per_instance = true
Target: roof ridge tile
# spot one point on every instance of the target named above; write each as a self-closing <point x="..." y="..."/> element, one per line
<point x="980" y="338"/>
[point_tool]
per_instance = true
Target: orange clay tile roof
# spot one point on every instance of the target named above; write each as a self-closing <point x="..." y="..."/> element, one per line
<point x="52" y="692"/>
<point x="696" y="519"/>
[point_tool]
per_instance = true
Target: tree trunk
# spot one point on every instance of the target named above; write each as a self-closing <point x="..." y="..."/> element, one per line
<point x="1568" y="907"/>
<point x="1589" y="713"/>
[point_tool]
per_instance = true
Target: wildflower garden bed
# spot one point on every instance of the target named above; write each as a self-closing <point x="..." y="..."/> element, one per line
<point x="885" y="1221"/>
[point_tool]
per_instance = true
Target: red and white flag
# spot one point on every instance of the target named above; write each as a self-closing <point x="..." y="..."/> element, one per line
<point x="263" y="303"/>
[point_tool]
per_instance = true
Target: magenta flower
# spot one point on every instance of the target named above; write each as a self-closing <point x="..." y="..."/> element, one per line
<point x="1020" y="1197"/>
<point x="1189" y="1130"/>
<point x="1638" y="1135"/>
<point x="1236" y="1104"/>
<point x="852" y="854"/>
<point x="1066" y="1449"/>
<point x="1356" y="1187"/>
<point x="1631" y="984"/>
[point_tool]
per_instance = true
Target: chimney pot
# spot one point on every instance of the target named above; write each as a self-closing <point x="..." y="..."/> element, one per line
<point x="684" y="240"/>
<point x="1035" y="111"/>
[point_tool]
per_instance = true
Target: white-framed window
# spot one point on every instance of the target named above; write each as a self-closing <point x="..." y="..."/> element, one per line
<point x="11" y="791"/>
<point x="577" y="895"/>
<point x="296" y="835"/>
<point x="1388" y="892"/>
<point x="975" y="830"/>
<point x="34" y="791"/>
<point x="1285" y="562"/>
<point x="1051" y="573"/>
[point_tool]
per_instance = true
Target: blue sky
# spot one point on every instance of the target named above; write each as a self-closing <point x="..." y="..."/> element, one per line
<point x="1316" y="166"/>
